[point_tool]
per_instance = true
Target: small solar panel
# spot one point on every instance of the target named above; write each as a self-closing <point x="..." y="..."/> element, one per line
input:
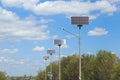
<point x="58" y="42"/>
<point x="50" y="51"/>
<point x="46" y="57"/>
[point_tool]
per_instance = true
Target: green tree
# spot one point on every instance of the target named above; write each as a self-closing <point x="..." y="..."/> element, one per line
<point x="2" y="75"/>
<point x="55" y="70"/>
<point x="69" y="68"/>
<point x="103" y="65"/>
<point x="41" y="75"/>
<point x="115" y="72"/>
<point x="88" y="67"/>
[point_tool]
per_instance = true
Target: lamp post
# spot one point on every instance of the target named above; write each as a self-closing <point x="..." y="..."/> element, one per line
<point x="79" y="21"/>
<point x="45" y="58"/>
<point x="59" y="43"/>
<point x="51" y="52"/>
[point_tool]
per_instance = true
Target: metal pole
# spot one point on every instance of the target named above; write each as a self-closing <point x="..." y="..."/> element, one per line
<point x="45" y="57"/>
<point x="51" y="67"/>
<point x="79" y="52"/>
<point x="45" y="71"/>
<point x="59" y="43"/>
<point x="51" y="63"/>
<point x="59" y="65"/>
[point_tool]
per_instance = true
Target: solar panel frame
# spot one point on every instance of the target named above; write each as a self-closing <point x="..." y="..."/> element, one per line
<point x="84" y="20"/>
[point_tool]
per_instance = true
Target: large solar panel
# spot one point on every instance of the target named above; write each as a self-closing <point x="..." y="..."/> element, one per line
<point x="75" y="20"/>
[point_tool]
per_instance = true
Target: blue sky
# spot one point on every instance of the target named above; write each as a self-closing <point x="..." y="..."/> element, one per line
<point x="29" y="27"/>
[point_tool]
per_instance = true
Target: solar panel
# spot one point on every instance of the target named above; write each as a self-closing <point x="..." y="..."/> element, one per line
<point x="50" y="51"/>
<point x="58" y="42"/>
<point x="79" y="20"/>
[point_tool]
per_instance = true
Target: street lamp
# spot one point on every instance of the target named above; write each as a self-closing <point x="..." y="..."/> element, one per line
<point x="51" y="52"/>
<point x="79" y="21"/>
<point x="59" y="43"/>
<point x="45" y="58"/>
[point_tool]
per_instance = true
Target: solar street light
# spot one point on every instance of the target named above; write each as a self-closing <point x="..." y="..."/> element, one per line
<point x="51" y="52"/>
<point x="45" y="58"/>
<point x="79" y="21"/>
<point x="59" y="43"/>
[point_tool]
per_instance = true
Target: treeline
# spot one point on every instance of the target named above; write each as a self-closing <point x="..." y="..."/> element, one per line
<point x="3" y="76"/>
<point x="102" y="66"/>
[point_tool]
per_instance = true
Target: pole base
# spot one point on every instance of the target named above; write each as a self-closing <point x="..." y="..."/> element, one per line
<point x="79" y="78"/>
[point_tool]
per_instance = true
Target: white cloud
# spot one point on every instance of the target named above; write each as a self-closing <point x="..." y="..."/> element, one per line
<point x="63" y="7"/>
<point x="17" y="29"/>
<point x="44" y="21"/>
<point x="114" y="1"/>
<point x="57" y="57"/>
<point x="14" y="61"/>
<point x="91" y="17"/>
<point x="73" y="7"/>
<point x="11" y="3"/>
<point x="38" y="48"/>
<point x="10" y="61"/>
<point x="21" y="66"/>
<point x="106" y="7"/>
<point x="64" y="44"/>
<point x="69" y="36"/>
<point x="55" y="36"/>
<point x="64" y="55"/>
<point x="9" y="51"/>
<point x="19" y="3"/>
<point x="7" y="15"/>
<point x="97" y="32"/>
<point x="90" y="53"/>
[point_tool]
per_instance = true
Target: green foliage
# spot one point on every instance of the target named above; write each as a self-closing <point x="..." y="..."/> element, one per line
<point x="21" y="78"/>
<point x="88" y="67"/>
<point x="40" y="75"/>
<point x="55" y="70"/>
<point x="69" y="68"/>
<point x="102" y="66"/>
<point x="115" y="72"/>
<point x="2" y="75"/>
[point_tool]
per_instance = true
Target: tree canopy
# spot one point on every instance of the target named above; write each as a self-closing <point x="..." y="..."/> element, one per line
<point x="102" y="66"/>
<point x="2" y="75"/>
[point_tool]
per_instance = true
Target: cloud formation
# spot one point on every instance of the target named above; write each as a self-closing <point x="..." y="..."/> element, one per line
<point x="38" y="48"/>
<point x="45" y="21"/>
<point x="69" y="36"/>
<point x="19" y="65"/>
<point x="65" y="45"/>
<point x="28" y="29"/>
<point x="10" y="61"/>
<point x="12" y="27"/>
<point x="63" y="7"/>
<point x="97" y="32"/>
<point x="9" y="51"/>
